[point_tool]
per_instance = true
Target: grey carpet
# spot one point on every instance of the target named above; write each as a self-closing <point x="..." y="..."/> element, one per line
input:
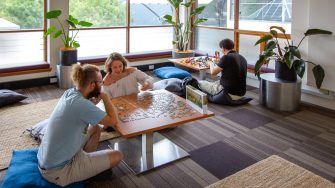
<point x="221" y="160"/>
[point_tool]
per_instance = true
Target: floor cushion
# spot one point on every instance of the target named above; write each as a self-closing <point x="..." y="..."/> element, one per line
<point x="10" y="97"/>
<point x="171" y="72"/>
<point x="23" y="172"/>
<point x="37" y="131"/>
<point x="171" y="84"/>
<point x="224" y="99"/>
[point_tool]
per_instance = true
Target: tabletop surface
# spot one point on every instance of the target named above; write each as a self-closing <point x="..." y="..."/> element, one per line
<point x="152" y="111"/>
<point x="196" y="63"/>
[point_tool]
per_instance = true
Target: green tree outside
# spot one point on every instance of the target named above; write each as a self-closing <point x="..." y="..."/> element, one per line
<point x="28" y="14"/>
<point x="102" y="13"/>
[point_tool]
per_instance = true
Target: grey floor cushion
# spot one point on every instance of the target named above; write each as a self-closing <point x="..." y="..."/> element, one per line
<point x="37" y="131"/>
<point x="10" y="97"/>
<point x="171" y="84"/>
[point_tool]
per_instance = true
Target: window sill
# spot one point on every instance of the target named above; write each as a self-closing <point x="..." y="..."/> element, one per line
<point x="251" y="68"/>
<point x="25" y="69"/>
<point x="131" y="57"/>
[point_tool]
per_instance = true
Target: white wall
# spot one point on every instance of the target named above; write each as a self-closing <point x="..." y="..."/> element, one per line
<point x="307" y="14"/>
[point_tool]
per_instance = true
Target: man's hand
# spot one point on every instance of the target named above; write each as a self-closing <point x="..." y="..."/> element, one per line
<point x="103" y="96"/>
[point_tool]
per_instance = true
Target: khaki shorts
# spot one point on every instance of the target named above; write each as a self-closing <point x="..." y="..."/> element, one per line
<point x="82" y="166"/>
<point x="214" y="88"/>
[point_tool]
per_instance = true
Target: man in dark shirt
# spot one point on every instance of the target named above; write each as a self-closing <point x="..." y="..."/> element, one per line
<point x="233" y="68"/>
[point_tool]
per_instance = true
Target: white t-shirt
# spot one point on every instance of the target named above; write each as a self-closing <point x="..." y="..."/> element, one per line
<point x="127" y="85"/>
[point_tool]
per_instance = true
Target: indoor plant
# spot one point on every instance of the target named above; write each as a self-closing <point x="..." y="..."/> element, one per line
<point x="289" y="62"/>
<point x="182" y="31"/>
<point x="68" y="34"/>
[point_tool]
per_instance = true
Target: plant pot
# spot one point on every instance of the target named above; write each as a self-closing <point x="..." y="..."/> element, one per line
<point x="67" y="56"/>
<point x="283" y="72"/>
<point x="183" y="54"/>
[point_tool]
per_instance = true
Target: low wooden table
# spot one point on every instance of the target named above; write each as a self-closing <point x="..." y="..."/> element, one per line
<point x="143" y="114"/>
<point x="195" y="65"/>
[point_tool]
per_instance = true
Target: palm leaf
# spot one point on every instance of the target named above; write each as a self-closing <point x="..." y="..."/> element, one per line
<point x="264" y="39"/>
<point x="319" y="75"/>
<point x="53" y="14"/>
<point x="317" y="32"/>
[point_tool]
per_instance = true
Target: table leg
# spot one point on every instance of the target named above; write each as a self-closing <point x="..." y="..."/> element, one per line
<point x="149" y="151"/>
<point x="202" y="74"/>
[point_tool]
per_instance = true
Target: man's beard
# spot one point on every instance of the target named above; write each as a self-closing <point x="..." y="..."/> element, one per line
<point x="95" y="93"/>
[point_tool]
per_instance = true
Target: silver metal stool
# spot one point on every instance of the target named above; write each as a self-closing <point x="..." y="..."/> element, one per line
<point x="279" y="94"/>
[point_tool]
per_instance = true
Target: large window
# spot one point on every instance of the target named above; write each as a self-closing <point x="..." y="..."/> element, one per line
<point x="259" y="15"/>
<point x="217" y="12"/>
<point x="102" y="13"/>
<point x="21" y="32"/>
<point x="253" y="21"/>
<point x="148" y="12"/>
<point x="144" y="30"/>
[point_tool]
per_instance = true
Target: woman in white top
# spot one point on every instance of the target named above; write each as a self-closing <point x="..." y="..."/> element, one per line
<point x="120" y="80"/>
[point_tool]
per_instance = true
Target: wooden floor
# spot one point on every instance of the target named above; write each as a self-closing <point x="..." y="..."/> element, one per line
<point x="305" y="137"/>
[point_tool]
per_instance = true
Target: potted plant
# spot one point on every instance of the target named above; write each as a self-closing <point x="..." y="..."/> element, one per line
<point x="182" y="31"/>
<point x="68" y="34"/>
<point x="289" y="62"/>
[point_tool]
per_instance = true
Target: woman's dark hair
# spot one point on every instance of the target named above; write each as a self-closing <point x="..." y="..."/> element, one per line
<point x="112" y="57"/>
<point x="227" y="44"/>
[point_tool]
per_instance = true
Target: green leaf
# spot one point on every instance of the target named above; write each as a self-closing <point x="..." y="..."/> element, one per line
<point x="187" y="4"/>
<point x="57" y="34"/>
<point x="270" y="46"/>
<point x="198" y="21"/>
<point x="259" y="64"/>
<point x="288" y="58"/>
<point x="299" y="67"/>
<point x="264" y="39"/>
<point x="85" y="24"/>
<point x="74" y="20"/>
<point x="197" y="11"/>
<point x="73" y="25"/>
<point x="317" y="32"/>
<point x="268" y="53"/>
<point x="274" y="33"/>
<point x="174" y="42"/>
<point x="175" y="3"/>
<point x="168" y="19"/>
<point x="76" y="44"/>
<point x="49" y="31"/>
<point x="319" y="75"/>
<point x="295" y="51"/>
<point x="278" y="28"/>
<point x="53" y="14"/>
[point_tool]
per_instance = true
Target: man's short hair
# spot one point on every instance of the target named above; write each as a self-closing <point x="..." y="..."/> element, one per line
<point x="227" y="44"/>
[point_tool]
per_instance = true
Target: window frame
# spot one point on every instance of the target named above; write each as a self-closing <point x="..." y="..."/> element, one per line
<point x="238" y="31"/>
<point x="37" y="67"/>
<point x="128" y="27"/>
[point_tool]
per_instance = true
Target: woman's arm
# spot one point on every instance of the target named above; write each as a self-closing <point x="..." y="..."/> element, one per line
<point x="107" y="80"/>
<point x="145" y="80"/>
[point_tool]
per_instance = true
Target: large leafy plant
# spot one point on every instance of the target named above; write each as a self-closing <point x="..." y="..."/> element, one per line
<point x="67" y="34"/>
<point x="289" y="54"/>
<point x="183" y="31"/>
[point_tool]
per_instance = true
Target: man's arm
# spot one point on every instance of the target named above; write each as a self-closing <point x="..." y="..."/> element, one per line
<point x="111" y="118"/>
<point x="214" y="69"/>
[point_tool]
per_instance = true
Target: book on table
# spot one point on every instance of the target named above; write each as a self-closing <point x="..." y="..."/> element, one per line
<point x="197" y="99"/>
